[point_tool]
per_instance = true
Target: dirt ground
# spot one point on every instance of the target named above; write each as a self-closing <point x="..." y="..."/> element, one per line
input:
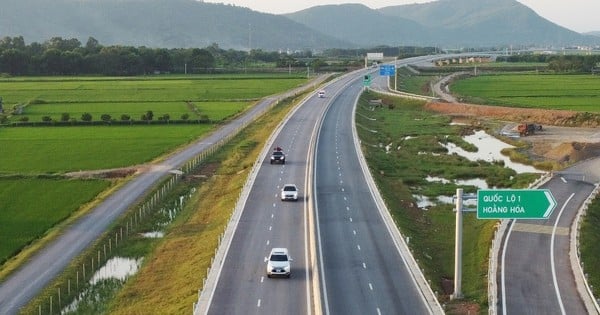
<point x="562" y="138"/>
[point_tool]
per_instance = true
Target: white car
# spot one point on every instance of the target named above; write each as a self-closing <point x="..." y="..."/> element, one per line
<point x="321" y="93"/>
<point x="278" y="263"/>
<point x="289" y="192"/>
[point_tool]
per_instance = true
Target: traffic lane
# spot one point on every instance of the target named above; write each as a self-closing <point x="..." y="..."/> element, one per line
<point x="531" y="283"/>
<point x="266" y="222"/>
<point x="360" y="261"/>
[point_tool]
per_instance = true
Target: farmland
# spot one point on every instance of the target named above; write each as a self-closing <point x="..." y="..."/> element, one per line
<point x="544" y="91"/>
<point x="36" y="196"/>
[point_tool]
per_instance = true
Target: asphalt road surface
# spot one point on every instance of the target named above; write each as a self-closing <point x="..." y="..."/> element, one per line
<point x="537" y="277"/>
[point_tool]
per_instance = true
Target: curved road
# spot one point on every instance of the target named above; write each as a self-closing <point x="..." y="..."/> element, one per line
<point x="538" y="277"/>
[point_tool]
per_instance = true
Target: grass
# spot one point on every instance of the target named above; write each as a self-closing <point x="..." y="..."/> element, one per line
<point x="30" y="207"/>
<point x="545" y="91"/>
<point x="62" y="149"/>
<point x="589" y="238"/>
<point x="401" y="173"/>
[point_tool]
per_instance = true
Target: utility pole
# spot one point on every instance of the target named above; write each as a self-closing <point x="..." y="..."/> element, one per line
<point x="458" y="246"/>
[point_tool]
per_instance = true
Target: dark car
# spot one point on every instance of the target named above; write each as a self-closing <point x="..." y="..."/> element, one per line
<point x="278" y="157"/>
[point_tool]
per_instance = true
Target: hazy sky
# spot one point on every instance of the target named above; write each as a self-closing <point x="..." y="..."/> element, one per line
<point x="576" y="15"/>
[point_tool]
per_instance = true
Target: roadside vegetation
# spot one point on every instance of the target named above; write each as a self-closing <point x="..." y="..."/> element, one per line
<point x="589" y="238"/>
<point x="412" y="137"/>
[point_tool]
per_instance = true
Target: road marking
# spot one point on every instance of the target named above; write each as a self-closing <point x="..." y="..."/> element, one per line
<point x="262" y="279"/>
<point x="268" y="242"/>
<point x="350" y="219"/>
<point x="364" y="266"/>
<point x="563" y="179"/>
<point x="270" y="227"/>
<point x="541" y="229"/>
<point x="370" y="286"/>
<point x="347" y="208"/>
<point x="258" y="303"/>
<point x="358" y="246"/>
<point x="345" y="199"/>
<point x="552" y="264"/>
<point x="272" y="215"/>
<point x="354" y="232"/>
<point x="342" y="189"/>
<point x="274" y="205"/>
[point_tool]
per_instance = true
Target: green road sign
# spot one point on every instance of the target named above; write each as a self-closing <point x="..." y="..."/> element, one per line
<point x="367" y="80"/>
<point x="514" y="203"/>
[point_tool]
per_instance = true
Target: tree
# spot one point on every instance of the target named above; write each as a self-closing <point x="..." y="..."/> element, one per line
<point x="105" y="118"/>
<point x="185" y="116"/>
<point x="125" y="117"/>
<point x="46" y="118"/>
<point x="65" y="117"/>
<point x="148" y="116"/>
<point x="86" y="117"/>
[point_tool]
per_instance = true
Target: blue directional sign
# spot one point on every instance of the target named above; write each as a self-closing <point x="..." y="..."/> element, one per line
<point x="387" y="70"/>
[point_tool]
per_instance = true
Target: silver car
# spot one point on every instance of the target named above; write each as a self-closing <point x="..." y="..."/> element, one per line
<point x="278" y="263"/>
<point x="289" y="192"/>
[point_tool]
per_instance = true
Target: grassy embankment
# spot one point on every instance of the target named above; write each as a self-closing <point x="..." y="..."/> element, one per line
<point x="590" y="251"/>
<point x="34" y="157"/>
<point x="401" y="174"/>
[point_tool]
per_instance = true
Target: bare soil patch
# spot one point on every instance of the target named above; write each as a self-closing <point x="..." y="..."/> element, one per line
<point x="565" y="137"/>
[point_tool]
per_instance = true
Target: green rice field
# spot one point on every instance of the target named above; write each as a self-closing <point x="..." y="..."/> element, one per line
<point x="32" y="201"/>
<point x="566" y="92"/>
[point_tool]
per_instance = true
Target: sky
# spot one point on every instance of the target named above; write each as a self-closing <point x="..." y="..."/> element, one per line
<point x="577" y="15"/>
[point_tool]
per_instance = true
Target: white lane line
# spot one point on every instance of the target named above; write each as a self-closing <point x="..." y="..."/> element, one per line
<point x="554" y="279"/>
<point x="274" y="205"/>
<point x="345" y="199"/>
<point x="378" y="311"/>
<point x="350" y="219"/>
<point x="354" y="232"/>
<point x="370" y="286"/>
<point x="268" y="242"/>
<point x="270" y="227"/>
<point x="262" y="279"/>
<point x="364" y="266"/>
<point x="272" y="215"/>
<point x="358" y="246"/>
<point x="342" y="189"/>
<point x="563" y="179"/>
<point x="347" y="208"/>
<point x="258" y="303"/>
<point x="503" y="268"/>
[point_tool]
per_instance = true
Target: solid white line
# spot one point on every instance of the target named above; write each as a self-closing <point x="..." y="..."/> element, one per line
<point x="258" y="303"/>
<point x="554" y="278"/>
<point x="502" y="275"/>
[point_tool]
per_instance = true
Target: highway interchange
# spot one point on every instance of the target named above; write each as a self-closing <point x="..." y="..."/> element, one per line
<point x="348" y="259"/>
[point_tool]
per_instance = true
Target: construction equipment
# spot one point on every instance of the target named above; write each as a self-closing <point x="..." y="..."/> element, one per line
<point x="528" y="129"/>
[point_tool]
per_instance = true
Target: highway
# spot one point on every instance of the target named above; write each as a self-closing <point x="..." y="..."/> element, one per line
<point x="537" y="277"/>
<point x="358" y="256"/>
<point x="362" y="269"/>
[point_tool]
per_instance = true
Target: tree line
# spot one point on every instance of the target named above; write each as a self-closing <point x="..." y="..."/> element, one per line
<point x="58" y="56"/>
<point x="558" y="63"/>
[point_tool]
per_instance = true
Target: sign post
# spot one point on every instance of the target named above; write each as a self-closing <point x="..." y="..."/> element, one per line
<point x="515" y="203"/>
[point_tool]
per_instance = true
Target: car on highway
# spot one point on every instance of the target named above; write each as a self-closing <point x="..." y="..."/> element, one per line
<point x="278" y="156"/>
<point x="321" y="93"/>
<point x="278" y="263"/>
<point x="289" y="192"/>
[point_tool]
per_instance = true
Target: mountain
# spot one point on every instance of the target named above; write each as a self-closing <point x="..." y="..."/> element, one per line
<point x="362" y="25"/>
<point x="485" y="23"/>
<point x="157" y="23"/>
<point x="191" y="23"/>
